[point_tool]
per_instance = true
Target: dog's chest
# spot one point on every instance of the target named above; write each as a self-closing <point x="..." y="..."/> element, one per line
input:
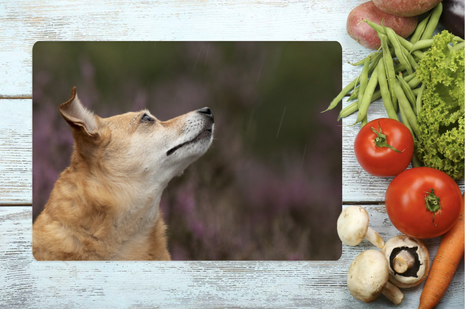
<point x="133" y="233"/>
<point x="135" y="248"/>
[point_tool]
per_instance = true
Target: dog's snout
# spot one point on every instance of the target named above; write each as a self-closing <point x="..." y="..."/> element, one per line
<point x="207" y="112"/>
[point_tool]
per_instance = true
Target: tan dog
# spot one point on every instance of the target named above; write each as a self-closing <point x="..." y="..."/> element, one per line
<point x="105" y="205"/>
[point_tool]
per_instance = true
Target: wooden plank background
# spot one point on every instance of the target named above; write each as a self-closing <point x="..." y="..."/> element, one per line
<point x="26" y="283"/>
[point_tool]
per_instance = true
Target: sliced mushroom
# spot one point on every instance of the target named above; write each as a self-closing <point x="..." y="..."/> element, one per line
<point x="368" y="277"/>
<point x="352" y="227"/>
<point x="408" y="260"/>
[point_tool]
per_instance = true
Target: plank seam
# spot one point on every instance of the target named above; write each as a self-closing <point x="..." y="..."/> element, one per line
<point x="348" y="203"/>
<point x="15" y="204"/>
<point x="378" y="203"/>
<point x="16" y="97"/>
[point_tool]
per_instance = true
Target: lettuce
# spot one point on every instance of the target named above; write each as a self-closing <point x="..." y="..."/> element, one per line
<point x="440" y="142"/>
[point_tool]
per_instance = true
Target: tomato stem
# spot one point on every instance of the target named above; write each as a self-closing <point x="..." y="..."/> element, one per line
<point x="432" y="202"/>
<point x="381" y="139"/>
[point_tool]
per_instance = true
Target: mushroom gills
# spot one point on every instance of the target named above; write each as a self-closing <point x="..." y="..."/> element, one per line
<point x="412" y="269"/>
<point x="408" y="261"/>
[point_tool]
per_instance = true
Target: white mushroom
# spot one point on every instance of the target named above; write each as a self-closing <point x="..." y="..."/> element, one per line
<point x="352" y="227"/>
<point x="408" y="260"/>
<point x="368" y="277"/>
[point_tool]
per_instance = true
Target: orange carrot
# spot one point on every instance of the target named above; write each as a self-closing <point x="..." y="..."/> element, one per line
<point x="449" y="254"/>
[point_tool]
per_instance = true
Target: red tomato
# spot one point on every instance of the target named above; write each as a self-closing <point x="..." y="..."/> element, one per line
<point x="373" y="147"/>
<point x="406" y="202"/>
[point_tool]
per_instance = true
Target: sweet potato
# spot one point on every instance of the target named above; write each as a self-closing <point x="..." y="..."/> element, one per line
<point x="365" y="35"/>
<point x="405" y="8"/>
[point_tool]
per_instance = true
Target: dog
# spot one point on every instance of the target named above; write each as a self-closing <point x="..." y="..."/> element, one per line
<point x="105" y="205"/>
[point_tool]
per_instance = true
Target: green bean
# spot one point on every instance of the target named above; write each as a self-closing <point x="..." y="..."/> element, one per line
<point x="344" y="91"/>
<point x="354" y="93"/>
<point x="402" y="41"/>
<point x="414" y="82"/>
<point x="419" y="54"/>
<point x="378" y="28"/>
<point x="389" y="67"/>
<point x="419" y="30"/>
<point x="360" y="62"/>
<point x="457" y="46"/>
<point x="405" y="106"/>
<point x="410" y="77"/>
<point x="433" y="22"/>
<point x="404" y="120"/>
<point x="405" y="43"/>
<point x="419" y="98"/>
<point x="407" y="90"/>
<point x="398" y="49"/>
<point x="385" y="94"/>
<point x="363" y="85"/>
<point x="415" y="161"/>
<point x="416" y="91"/>
<point x="375" y="62"/>
<point x="366" y="99"/>
<point x="353" y="107"/>
<point x="399" y="68"/>
<point x="411" y="59"/>
<point x="364" y="120"/>
<point x="423" y="44"/>
<point x="371" y="68"/>
<point x="353" y="84"/>
<point x="348" y="110"/>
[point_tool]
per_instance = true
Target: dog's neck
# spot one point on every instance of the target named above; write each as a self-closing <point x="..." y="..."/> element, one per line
<point x="140" y="214"/>
<point x="131" y="207"/>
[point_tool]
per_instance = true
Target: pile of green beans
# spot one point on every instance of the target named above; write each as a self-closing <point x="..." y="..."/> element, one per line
<point x="389" y="73"/>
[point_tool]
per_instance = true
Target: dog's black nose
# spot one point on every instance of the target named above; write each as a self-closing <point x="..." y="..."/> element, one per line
<point x="207" y="112"/>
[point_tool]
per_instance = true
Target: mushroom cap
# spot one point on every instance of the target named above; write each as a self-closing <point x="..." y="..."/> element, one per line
<point x="420" y="269"/>
<point x="368" y="275"/>
<point x="352" y="225"/>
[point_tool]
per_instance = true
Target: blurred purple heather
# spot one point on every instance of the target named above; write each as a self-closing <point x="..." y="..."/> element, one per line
<point x="270" y="187"/>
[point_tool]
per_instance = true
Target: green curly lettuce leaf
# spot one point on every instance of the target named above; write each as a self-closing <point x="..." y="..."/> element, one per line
<point x="441" y="120"/>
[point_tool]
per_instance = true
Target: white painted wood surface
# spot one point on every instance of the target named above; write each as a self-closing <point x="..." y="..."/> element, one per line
<point x="25" y="283"/>
<point x="15" y="152"/>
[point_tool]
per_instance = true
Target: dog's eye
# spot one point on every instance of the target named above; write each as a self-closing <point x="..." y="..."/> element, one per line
<point x="146" y="117"/>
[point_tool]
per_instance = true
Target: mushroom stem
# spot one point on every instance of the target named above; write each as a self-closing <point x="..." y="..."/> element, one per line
<point x="403" y="261"/>
<point x="393" y="293"/>
<point x="408" y="261"/>
<point x="374" y="238"/>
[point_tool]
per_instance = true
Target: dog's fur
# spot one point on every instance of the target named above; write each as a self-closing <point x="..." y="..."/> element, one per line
<point x="105" y="205"/>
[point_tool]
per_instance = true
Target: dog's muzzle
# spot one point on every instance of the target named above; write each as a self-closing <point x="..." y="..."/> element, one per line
<point x="206" y="131"/>
<point x="206" y="112"/>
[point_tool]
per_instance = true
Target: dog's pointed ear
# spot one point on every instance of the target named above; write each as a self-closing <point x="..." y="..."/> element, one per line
<point x="77" y="116"/>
